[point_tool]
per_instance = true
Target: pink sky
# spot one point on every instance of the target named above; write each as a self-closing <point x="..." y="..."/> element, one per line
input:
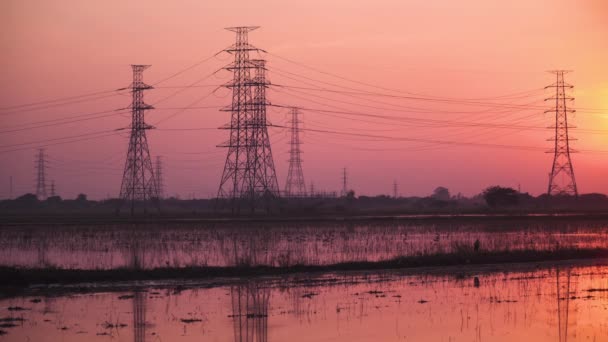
<point x="455" y="49"/>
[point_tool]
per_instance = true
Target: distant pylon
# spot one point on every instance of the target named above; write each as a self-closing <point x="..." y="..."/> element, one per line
<point x="561" y="178"/>
<point x="41" y="175"/>
<point x="249" y="170"/>
<point x="295" y="186"/>
<point x="395" y="189"/>
<point x="344" y="183"/>
<point x="159" y="177"/>
<point x="138" y="181"/>
<point x="53" y="188"/>
<point x="312" y="189"/>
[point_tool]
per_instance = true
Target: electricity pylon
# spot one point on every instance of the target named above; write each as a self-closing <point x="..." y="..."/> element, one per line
<point x="138" y="180"/>
<point x="41" y="175"/>
<point x="561" y="178"/>
<point x="395" y="189"/>
<point x="265" y="182"/>
<point x="295" y="186"/>
<point x="249" y="172"/>
<point x="159" y="177"/>
<point x="344" y="183"/>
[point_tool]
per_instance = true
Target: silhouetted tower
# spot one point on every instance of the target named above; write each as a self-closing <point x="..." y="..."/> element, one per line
<point x="41" y="175"/>
<point x="139" y="316"/>
<point x="159" y="177"/>
<point x="240" y="169"/>
<point x="344" y="183"/>
<point x="264" y="177"/>
<point x="250" y="306"/>
<point x="53" y="188"/>
<point x="295" y="186"/>
<point x="138" y="181"/>
<point x="312" y="189"/>
<point x="561" y="178"/>
<point x="395" y="189"/>
<point x="567" y="310"/>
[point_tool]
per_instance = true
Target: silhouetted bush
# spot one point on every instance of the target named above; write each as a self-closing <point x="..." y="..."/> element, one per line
<point x="497" y="196"/>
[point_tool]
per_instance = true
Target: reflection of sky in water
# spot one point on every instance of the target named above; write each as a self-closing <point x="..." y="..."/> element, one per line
<point x="156" y="245"/>
<point x="545" y="305"/>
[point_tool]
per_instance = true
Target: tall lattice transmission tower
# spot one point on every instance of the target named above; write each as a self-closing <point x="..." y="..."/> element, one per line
<point x="295" y="186"/>
<point x="344" y="191"/>
<point x="138" y="180"/>
<point x="264" y="175"/>
<point x="159" y="177"/>
<point x="41" y="175"/>
<point x="249" y="172"/>
<point x="561" y="178"/>
<point x="395" y="189"/>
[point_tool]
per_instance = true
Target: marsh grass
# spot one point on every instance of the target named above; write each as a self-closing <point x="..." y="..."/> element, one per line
<point x="282" y="245"/>
<point x="21" y="277"/>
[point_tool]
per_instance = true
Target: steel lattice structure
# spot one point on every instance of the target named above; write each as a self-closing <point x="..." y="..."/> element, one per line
<point x="344" y="191"/>
<point x="159" y="177"/>
<point x="250" y="305"/>
<point x="295" y="186"/>
<point x="264" y="175"/>
<point x="41" y="175"/>
<point x="249" y="172"/>
<point x="138" y="180"/>
<point x="395" y="189"/>
<point x="139" y="316"/>
<point x="561" y="178"/>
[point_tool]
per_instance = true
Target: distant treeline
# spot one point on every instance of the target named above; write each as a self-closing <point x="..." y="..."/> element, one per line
<point x="493" y="199"/>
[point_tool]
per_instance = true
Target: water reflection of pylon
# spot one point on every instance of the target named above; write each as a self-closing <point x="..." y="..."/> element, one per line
<point x="565" y="287"/>
<point x="250" y="312"/>
<point x="139" y="316"/>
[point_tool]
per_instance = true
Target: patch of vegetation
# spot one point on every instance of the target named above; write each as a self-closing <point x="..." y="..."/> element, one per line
<point x="464" y="256"/>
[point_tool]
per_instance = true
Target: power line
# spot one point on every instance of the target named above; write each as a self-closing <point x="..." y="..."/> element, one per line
<point x="62" y="142"/>
<point x="376" y="86"/>
<point x="187" y="68"/>
<point x="55" y="139"/>
<point x="434" y="141"/>
<point x="431" y="122"/>
<point x="57" y="105"/>
<point x="74" y="97"/>
<point x="120" y="112"/>
<point x="421" y="97"/>
<point x="44" y="102"/>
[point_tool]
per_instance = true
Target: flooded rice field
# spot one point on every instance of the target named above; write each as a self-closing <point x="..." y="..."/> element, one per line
<point x="553" y="304"/>
<point x="277" y="244"/>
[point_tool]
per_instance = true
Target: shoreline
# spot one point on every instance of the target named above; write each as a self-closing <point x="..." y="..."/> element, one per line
<point x="70" y="220"/>
<point x="19" y="279"/>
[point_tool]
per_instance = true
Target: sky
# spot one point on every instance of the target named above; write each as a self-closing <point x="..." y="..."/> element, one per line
<point x="477" y="67"/>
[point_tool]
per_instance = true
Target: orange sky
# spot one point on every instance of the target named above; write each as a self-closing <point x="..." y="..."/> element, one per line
<point x="448" y="49"/>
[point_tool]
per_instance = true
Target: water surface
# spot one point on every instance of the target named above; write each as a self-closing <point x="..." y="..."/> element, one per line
<point x="557" y="304"/>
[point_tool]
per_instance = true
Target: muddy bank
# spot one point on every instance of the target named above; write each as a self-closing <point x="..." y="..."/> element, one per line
<point x="19" y="278"/>
<point x="52" y="220"/>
